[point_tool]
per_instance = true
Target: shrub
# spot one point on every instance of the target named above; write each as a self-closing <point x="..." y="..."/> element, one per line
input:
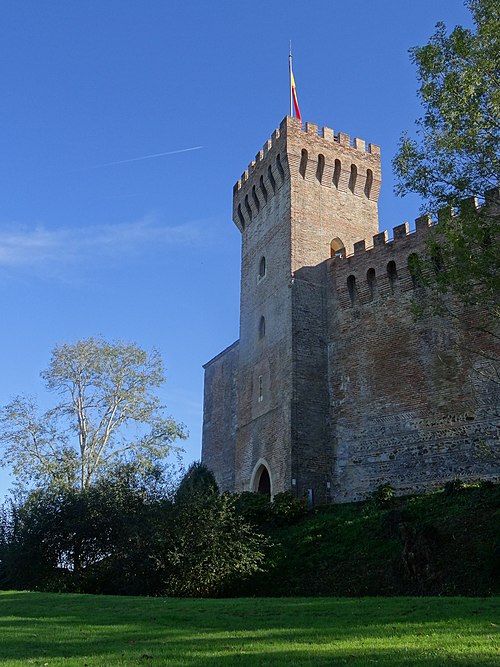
<point x="453" y="487"/>
<point x="253" y="507"/>
<point x="213" y="547"/>
<point x="287" y="508"/>
<point x="383" y="494"/>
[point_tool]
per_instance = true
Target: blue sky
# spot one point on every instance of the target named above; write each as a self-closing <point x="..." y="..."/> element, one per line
<point x="145" y="250"/>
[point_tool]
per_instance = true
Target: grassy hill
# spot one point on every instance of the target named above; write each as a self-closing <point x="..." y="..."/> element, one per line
<point x="442" y="543"/>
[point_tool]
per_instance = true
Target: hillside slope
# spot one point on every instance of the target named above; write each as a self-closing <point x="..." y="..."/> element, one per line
<point x="443" y="543"/>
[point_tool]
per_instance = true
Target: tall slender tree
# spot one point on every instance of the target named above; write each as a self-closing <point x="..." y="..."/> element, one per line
<point x="107" y="414"/>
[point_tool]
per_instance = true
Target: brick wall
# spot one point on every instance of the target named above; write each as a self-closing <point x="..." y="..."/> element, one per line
<point x="219" y="416"/>
<point x="344" y="390"/>
<point x="408" y="403"/>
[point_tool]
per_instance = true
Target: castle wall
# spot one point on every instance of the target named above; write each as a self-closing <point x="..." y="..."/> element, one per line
<point x="334" y="386"/>
<point x="334" y="194"/>
<point x="335" y="187"/>
<point x="219" y="416"/>
<point x="302" y="191"/>
<point x="408" y="404"/>
<point x="264" y="379"/>
<point x="312" y="454"/>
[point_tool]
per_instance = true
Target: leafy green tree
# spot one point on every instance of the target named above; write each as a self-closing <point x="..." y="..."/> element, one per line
<point x="103" y="539"/>
<point x="198" y="483"/>
<point x="108" y="414"/>
<point x="128" y="534"/>
<point x="213" y="545"/>
<point x="457" y="151"/>
<point x="454" y="165"/>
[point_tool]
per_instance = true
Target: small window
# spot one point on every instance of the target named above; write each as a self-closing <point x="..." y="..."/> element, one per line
<point x="262" y="327"/>
<point x="336" y="173"/>
<point x="240" y="217"/>
<point x="392" y="274"/>
<point x="351" y="288"/>
<point x="261" y="389"/>
<point x="262" y="268"/>
<point x="353" y="177"/>
<point x="263" y="189"/>
<point x="271" y="178"/>
<point x="415" y="270"/>
<point x="337" y="248"/>
<point x="371" y="279"/>
<point x="279" y="167"/>
<point x="320" y="168"/>
<point x="369" y="182"/>
<point x="255" y="199"/>
<point x="247" y="206"/>
<point x="303" y="163"/>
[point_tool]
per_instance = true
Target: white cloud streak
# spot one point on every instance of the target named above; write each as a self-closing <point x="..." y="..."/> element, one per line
<point x="145" y="157"/>
<point x="40" y="246"/>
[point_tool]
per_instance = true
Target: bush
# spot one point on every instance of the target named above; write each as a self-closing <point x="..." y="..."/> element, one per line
<point x="213" y="547"/>
<point x="287" y="508"/>
<point x="383" y="494"/>
<point x="453" y="487"/>
<point x="198" y="482"/>
<point x="253" y="507"/>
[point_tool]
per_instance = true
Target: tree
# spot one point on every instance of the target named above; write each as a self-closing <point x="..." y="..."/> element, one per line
<point x="197" y="483"/>
<point x="107" y="415"/>
<point x="213" y="546"/>
<point x="129" y="534"/>
<point x="457" y="154"/>
<point x="104" y="539"/>
<point x="454" y="163"/>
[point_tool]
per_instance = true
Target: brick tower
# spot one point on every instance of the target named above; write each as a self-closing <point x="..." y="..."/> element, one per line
<point x="306" y="197"/>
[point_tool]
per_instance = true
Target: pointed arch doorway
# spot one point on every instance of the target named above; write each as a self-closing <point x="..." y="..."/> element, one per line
<point x="261" y="481"/>
<point x="264" y="485"/>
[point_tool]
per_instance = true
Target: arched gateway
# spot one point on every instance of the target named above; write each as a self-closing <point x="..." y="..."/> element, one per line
<point x="261" y="480"/>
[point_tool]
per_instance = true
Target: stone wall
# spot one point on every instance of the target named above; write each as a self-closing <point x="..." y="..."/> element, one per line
<point x="264" y="378"/>
<point x="334" y="387"/>
<point x="408" y="404"/>
<point x="219" y="416"/>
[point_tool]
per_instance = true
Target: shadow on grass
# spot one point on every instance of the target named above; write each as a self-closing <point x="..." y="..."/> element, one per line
<point x="94" y="630"/>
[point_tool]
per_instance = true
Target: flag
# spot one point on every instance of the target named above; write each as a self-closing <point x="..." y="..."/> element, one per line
<point x="294" y="94"/>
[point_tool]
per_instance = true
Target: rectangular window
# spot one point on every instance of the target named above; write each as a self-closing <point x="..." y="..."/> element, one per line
<point x="261" y="390"/>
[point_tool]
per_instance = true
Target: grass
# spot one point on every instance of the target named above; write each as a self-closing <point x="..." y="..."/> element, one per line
<point x="53" y="630"/>
<point x="357" y="549"/>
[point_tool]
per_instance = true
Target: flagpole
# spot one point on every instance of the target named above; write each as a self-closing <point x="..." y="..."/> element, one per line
<point x="290" y="78"/>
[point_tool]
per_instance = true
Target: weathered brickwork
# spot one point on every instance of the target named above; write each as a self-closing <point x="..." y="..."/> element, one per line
<point x="333" y="388"/>
<point x="407" y="404"/>
<point x="219" y="410"/>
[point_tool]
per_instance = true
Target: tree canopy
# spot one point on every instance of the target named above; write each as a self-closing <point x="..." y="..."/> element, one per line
<point x="457" y="150"/>
<point x="108" y="414"/>
<point x="454" y="165"/>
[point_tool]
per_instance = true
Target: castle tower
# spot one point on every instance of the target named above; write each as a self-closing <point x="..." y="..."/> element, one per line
<point x="305" y="198"/>
<point x="333" y="388"/>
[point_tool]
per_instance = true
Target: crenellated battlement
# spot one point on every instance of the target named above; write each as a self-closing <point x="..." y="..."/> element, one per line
<point x="311" y="154"/>
<point x="270" y="143"/>
<point x="385" y="266"/>
<point x="261" y="181"/>
<point x="326" y="133"/>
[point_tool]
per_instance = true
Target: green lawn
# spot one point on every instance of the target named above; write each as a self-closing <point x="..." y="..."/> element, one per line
<point x="90" y="631"/>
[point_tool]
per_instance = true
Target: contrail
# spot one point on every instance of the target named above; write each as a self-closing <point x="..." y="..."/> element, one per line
<point x="145" y="157"/>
